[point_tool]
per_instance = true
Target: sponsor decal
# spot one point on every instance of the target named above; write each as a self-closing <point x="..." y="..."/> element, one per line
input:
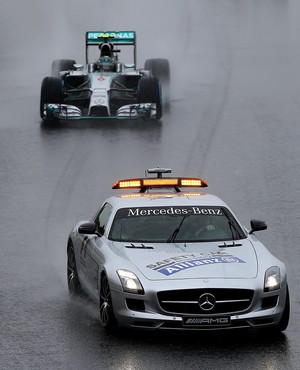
<point x="158" y="211"/>
<point x="114" y="35"/>
<point x="174" y="265"/>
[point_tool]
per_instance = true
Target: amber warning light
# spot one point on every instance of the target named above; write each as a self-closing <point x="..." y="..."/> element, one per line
<point x="160" y="183"/>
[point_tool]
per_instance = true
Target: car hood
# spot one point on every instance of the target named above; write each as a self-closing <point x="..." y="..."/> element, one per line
<point x="192" y="260"/>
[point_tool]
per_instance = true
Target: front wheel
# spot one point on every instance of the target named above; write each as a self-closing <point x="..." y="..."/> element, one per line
<point x="149" y="91"/>
<point x="284" y="321"/>
<point x="74" y="285"/>
<point x="51" y="92"/>
<point x="107" y="316"/>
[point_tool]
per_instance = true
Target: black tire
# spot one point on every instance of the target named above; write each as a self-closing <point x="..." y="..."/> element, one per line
<point x="59" y="65"/>
<point x="106" y="311"/>
<point x="51" y="92"/>
<point x="74" y="286"/>
<point x="160" y="68"/>
<point x="149" y="91"/>
<point x="284" y="321"/>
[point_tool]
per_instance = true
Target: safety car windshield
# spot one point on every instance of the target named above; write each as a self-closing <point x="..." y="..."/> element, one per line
<point x="175" y="224"/>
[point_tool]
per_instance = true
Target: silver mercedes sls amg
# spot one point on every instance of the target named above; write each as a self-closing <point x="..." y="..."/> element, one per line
<point x="163" y="255"/>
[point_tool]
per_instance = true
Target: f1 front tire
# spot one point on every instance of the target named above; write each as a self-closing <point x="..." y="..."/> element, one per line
<point x="51" y="92"/>
<point x="149" y="91"/>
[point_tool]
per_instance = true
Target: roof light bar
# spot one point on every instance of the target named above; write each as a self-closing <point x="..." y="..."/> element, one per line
<point x="159" y="182"/>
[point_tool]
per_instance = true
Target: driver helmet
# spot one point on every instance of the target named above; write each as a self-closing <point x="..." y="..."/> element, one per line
<point x="106" y="49"/>
<point x="106" y="62"/>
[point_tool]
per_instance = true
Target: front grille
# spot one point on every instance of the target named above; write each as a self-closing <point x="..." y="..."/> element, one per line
<point x="186" y="302"/>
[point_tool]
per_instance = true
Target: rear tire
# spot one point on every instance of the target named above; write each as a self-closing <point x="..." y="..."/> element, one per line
<point x="51" y="92"/>
<point x="160" y="68"/>
<point x="149" y="91"/>
<point x="60" y="65"/>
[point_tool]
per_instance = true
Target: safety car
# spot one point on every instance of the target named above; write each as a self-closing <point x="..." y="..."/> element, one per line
<point x="106" y="87"/>
<point x="162" y="254"/>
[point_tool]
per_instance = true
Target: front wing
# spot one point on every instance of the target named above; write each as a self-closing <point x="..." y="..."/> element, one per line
<point x="70" y="112"/>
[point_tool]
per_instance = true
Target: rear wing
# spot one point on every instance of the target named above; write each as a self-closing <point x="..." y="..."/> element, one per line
<point x="94" y="38"/>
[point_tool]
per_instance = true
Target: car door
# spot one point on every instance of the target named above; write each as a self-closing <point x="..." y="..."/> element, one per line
<point x="90" y="258"/>
<point x="89" y="267"/>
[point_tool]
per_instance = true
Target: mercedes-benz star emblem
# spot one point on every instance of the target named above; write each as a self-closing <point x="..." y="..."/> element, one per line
<point x="207" y="302"/>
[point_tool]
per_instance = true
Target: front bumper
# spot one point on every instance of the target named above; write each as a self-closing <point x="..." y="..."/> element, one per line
<point x="145" y="312"/>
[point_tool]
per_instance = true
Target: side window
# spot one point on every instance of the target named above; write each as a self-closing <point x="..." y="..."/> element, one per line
<point x="103" y="217"/>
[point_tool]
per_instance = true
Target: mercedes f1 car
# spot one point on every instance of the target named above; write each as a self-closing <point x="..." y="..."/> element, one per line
<point x="167" y="258"/>
<point x="106" y="87"/>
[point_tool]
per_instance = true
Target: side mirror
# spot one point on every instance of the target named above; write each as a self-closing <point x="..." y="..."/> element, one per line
<point x="257" y="225"/>
<point x="87" y="228"/>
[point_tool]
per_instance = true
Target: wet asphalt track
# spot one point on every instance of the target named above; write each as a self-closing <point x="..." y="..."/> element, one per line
<point x="233" y="120"/>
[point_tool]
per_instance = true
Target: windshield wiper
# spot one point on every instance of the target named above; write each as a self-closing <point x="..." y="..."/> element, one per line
<point x="233" y="229"/>
<point x="173" y="236"/>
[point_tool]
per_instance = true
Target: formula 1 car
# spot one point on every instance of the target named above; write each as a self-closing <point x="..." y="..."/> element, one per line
<point x="166" y="258"/>
<point x="105" y="87"/>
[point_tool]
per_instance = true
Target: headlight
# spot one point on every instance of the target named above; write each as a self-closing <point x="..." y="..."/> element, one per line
<point x="130" y="282"/>
<point x="272" y="279"/>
